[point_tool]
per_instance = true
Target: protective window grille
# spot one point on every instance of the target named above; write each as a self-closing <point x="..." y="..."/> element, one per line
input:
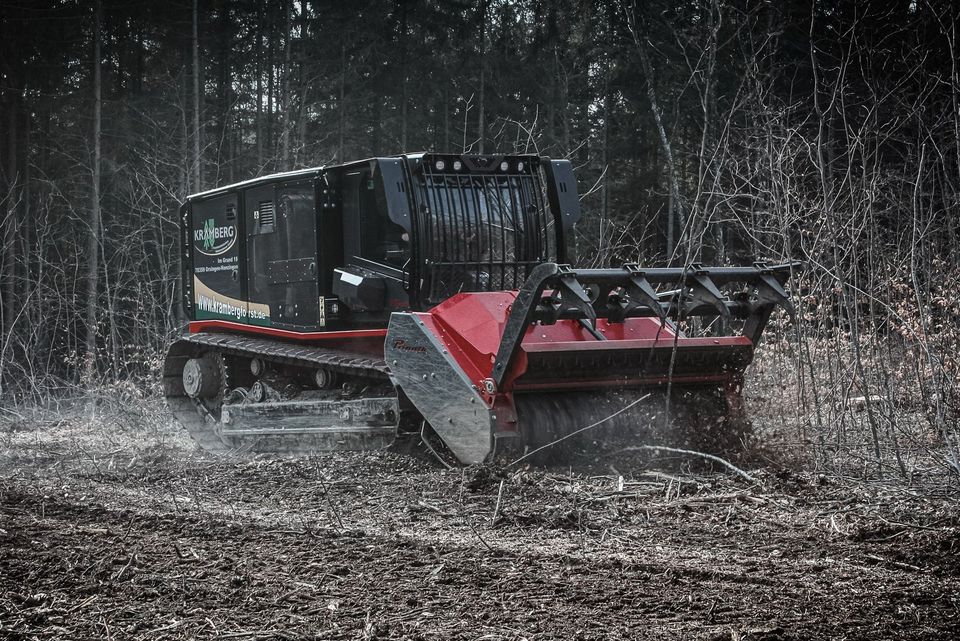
<point x="485" y="232"/>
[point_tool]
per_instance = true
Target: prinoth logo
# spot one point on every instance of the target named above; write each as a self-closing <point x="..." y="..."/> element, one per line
<point x="212" y="240"/>
<point x="403" y="346"/>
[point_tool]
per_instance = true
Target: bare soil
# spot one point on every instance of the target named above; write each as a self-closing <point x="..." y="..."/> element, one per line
<point x="128" y="532"/>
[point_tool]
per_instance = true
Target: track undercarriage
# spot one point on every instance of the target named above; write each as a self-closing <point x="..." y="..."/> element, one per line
<point x="240" y="394"/>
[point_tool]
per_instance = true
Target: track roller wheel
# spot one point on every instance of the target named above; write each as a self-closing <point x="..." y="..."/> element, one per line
<point x="196" y="386"/>
<point x="203" y="377"/>
<point x="325" y="379"/>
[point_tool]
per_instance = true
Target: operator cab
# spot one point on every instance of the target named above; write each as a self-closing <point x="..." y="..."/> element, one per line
<point x="341" y="247"/>
<point x="440" y="224"/>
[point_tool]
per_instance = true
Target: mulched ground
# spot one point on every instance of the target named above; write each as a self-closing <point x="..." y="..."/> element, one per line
<point x="142" y="537"/>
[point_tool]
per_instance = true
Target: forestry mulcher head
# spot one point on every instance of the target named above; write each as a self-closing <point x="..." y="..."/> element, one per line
<point x="520" y="370"/>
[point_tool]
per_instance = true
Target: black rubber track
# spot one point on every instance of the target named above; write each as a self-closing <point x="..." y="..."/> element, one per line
<point x="201" y="418"/>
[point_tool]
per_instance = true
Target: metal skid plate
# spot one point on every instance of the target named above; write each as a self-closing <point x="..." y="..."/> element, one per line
<point x="367" y="423"/>
<point x="424" y="369"/>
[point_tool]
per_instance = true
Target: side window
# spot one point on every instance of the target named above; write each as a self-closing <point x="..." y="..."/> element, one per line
<point x="381" y="240"/>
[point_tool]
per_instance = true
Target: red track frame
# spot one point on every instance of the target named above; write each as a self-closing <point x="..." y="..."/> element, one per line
<point x="207" y="325"/>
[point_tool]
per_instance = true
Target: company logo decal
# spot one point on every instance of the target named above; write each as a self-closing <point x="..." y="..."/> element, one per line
<point x="212" y="240"/>
<point x="404" y="346"/>
<point x="214" y="305"/>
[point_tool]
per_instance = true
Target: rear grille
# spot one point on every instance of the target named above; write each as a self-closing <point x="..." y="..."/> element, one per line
<point x="484" y="231"/>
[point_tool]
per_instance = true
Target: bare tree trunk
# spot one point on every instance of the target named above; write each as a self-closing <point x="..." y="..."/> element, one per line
<point x="8" y="220"/>
<point x="403" y="77"/>
<point x="446" y="118"/>
<point x="8" y="201"/>
<point x="952" y="226"/>
<point x="185" y="160"/>
<point x="707" y="103"/>
<point x="93" y="239"/>
<point x="376" y="133"/>
<point x="675" y="216"/>
<point x="259" y="66"/>
<point x="481" y="127"/>
<point x="271" y="86"/>
<point x="674" y="209"/>
<point x="285" y="125"/>
<point x="300" y="143"/>
<point x="110" y="297"/>
<point x="605" y="146"/>
<point x="341" y="105"/>
<point x="26" y="282"/>
<point x="604" y="248"/>
<point x="197" y="186"/>
<point x="303" y="89"/>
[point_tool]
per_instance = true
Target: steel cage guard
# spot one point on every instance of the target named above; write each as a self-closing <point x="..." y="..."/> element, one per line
<point x="628" y="292"/>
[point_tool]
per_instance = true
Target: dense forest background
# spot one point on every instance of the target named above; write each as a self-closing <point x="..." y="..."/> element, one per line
<point x="721" y="131"/>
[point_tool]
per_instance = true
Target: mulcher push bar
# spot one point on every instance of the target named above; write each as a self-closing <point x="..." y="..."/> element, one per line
<point x="553" y="292"/>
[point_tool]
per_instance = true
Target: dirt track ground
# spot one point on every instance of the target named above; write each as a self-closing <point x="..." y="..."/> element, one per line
<point x="141" y="537"/>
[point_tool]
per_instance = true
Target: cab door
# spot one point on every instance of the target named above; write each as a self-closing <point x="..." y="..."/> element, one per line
<point x="216" y="247"/>
<point x="282" y="282"/>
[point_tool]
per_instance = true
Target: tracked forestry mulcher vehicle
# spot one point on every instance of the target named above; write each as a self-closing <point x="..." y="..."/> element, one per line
<point x="336" y="307"/>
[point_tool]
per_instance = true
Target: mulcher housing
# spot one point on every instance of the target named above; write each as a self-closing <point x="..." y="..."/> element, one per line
<point x="337" y="305"/>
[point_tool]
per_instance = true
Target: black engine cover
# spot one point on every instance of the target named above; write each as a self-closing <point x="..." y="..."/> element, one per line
<point x="359" y="289"/>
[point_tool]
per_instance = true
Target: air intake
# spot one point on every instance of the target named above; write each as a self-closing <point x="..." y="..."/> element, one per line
<point x="268" y="215"/>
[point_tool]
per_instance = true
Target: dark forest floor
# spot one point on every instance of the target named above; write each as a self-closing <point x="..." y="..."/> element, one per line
<point x="136" y="535"/>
